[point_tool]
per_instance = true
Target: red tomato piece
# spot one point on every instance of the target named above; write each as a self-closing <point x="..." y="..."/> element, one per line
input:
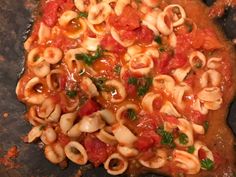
<point x="197" y="117"/>
<point x="64" y="43"/>
<point x="88" y="108"/>
<point x="162" y="63"/>
<point x="144" y="35"/>
<point x="131" y="90"/>
<point x="177" y="61"/>
<point x="171" y="119"/>
<point x="63" y="139"/>
<point x="202" y="154"/>
<point x="50" y="13"/>
<point x="110" y="44"/>
<point x="96" y="149"/>
<point x="128" y="20"/>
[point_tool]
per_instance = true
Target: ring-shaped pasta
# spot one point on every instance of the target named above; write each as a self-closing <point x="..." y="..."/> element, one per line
<point x="172" y="39"/>
<point x="177" y="21"/>
<point x="54" y="153"/>
<point x="213" y="105"/>
<point x="88" y="86"/>
<point x="164" y="24"/>
<point x="214" y="63"/>
<point x="105" y="135"/>
<point x="119" y="131"/>
<point x="148" y="99"/>
<point x="186" y="161"/>
<point x="141" y="64"/>
<point x="181" y="73"/>
<point x="169" y="109"/>
<point x="31" y="95"/>
<point x="34" y="133"/>
<point x="52" y="55"/>
<point x="44" y="33"/>
<point x="127" y="151"/>
<point x="67" y="121"/>
<point x="152" y="51"/>
<point x="82" y="6"/>
<point x="199" y="129"/>
<point x="42" y="69"/>
<point x="150" y="3"/>
<point x="122" y="109"/>
<point x="119" y="168"/>
<point x="76" y="153"/>
<point x="197" y="59"/>
<point x="53" y="79"/>
<point x="91" y="44"/>
<point x="96" y="30"/>
<point x="91" y="123"/>
<point x="74" y="131"/>
<point x="46" y="108"/>
<point x="98" y="13"/>
<point x="149" y="20"/>
<point x="33" y="118"/>
<point x="120" y="5"/>
<point x="164" y="82"/>
<point x="116" y="96"/>
<point x="210" y="78"/>
<point x="108" y="116"/>
<point x="48" y="136"/>
<point x="28" y="43"/>
<point x="210" y="94"/>
<point x="67" y="17"/>
<point x="34" y="57"/>
<point x="157" y="161"/>
<point x="55" y="115"/>
<point x="198" y="106"/>
<point x="134" y="49"/>
<point x="125" y="42"/>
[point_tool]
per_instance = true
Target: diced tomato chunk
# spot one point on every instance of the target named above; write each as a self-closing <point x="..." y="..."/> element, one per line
<point x="197" y="117"/>
<point x="171" y="119"/>
<point x="110" y="44"/>
<point x="88" y="108"/>
<point x="63" y="139"/>
<point x="50" y="13"/>
<point x="128" y="20"/>
<point x="177" y="61"/>
<point x="202" y="154"/>
<point x="63" y="42"/>
<point x="144" y="35"/>
<point x="162" y="63"/>
<point x="131" y="90"/>
<point x="96" y="149"/>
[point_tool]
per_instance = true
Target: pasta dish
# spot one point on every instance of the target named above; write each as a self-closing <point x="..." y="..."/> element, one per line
<point x="135" y="85"/>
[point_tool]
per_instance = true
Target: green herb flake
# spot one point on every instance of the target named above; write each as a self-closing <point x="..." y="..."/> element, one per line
<point x="206" y="125"/>
<point x="191" y="149"/>
<point x="42" y="127"/>
<point x="71" y="93"/>
<point x="167" y="137"/>
<point x="162" y="49"/>
<point x="90" y="59"/>
<point x="133" y="81"/>
<point x="117" y="69"/>
<point x="207" y="164"/>
<point x="144" y="85"/>
<point x="183" y="139"/>
<point x="131" y="114"/>
<point x="100" y="83"/>
<point x="83" y="14"/>
<point x="198" y="65"/>
<point x="158" y="40"/>
<point x="138" y="1"/>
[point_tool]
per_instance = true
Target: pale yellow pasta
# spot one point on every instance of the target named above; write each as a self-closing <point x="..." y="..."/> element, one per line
<point x="141" y="60"/>
<point x="91" y="44"/>
<point x="210" y="94"/>
<point x="52" y="55"/>
<point x="120" y="5"/>
<point x="181" y="73"/>
<point x="125" y="42"/>
<point x="108" y="116"/>
<point x="119" y="90"/>
<point x="157" y="161"/>
<point x="98" y="13"/>
<point x="126" y="151"/>
<point x="164" y="82"/>
<point x="152" y="51"/>
<point x="150" y="21"/>
<point x="88" y="86"/>
<point x="44" y="33"/>
<point x="28" y="43"/>
<point x="33" y="117"/>
<point x="42" y="69"/>
<point x="150" y="3"/>
<point x="120" y="111"/>
<point x="35" y="133"/>
<point x="91" y="123"/>
<point x="164" y="24"/>
<point x="105" y="135"/>
<point x="97" y="31"/>
<point x="199" y="106"/>
<point x="48" y="136"/>
<point x="54" y="153"/>
<point x="82" y="6"/>
<point x="213" y="105"/>
<point x="169" y="109"/>
<point x="134" y="49"/>
<point x="214" y="63"/>
<point x="76" y="153"/>
<point x="199" y="57"/>
<point x="172" y="40"/>
<point x="199" y="129"/>
<point x="74" y="132"/>
<point x="210" y="78"/>
<point x="179" y="92"/>
<point x="67" y="121"/>
<point x="148" y="99"/>
<point x="53" y="79"/>
<point x="185" y="127"/>
<point x="72" y="104"/>
<point x="67" y="17"/>
<point x="177" y="21"/>
<point x="186" y="161"/>
<point x="55" y="115"/>
<point x="34" y="57"/>
<point x="119" y="131"/>
<point x="119" y="168"/>
<point x="46" y="108"/>
<point x="31" y="95"/>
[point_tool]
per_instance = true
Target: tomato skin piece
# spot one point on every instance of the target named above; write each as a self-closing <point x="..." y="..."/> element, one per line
<point x="110" y="44"/>
<point x="50" y="13"/>
<point x="162" y="63"/>
<point x="96" y="149"/>
<point x="179" y="60"/>
<point x="63" y="139"/>
<point x="197" y="117"/>
<point x="144" y="35"/>
<point x="171" y="119"/>
<point x="202" y="154"/>
<point x="88" y="108"/>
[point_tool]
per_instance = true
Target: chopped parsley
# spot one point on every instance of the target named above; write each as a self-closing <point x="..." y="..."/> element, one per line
<point x="158" y="40"/>
<point x="198" y="65"/>
<point x="83" y="14"/>
<point x="71" y="93"/>
<point x="167" y="137"/>
<point x="162" y="49"/>
<point x="131" y="114"/>
<point x="100" y="83"/>
<point x="133" y="81"/>
<point x="117" y="69"/>
<point x="206" y="125"/>
<point x="191" y="149"/>
<point x="207" y="164"/>
<point x="183" y="138"/>
<point x="89" y="59"/>
<point x="144" y="85"/>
